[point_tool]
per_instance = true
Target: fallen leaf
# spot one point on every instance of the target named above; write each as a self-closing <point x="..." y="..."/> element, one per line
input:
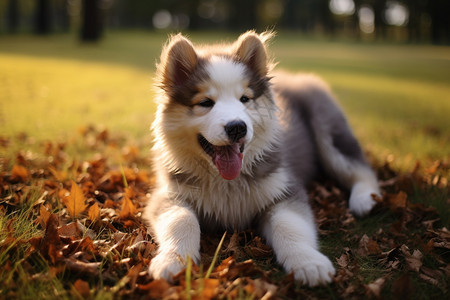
<point x="70" y="230"/>
<point x="84" y="268"/>
<point x="44" y="214"/>
<point x="51" y="240"/>
<point x="413" y="261"/>
<point x="430" y="279"/>
<point x="376" y="287"/>
<point x="343" y="260"/>
<point x="403" y="287"/>
<point x="58" y="174"/>
<point x="75" y="202"/>
<point x="262" y="289"/>
<point x="367" y="246"/>
<point x="19" y="173"/>
<point x="431" y="276"/>
<point x="157" y="289"/>
<point x="128" y="209"/>
<point x="398" y="200"/>
<point x="82" y="287"/>
<point x="209" y="287"/>
<point x="94" y="212"/>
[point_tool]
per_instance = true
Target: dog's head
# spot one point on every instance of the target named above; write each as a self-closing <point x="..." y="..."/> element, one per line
<point x="216" y="103"/>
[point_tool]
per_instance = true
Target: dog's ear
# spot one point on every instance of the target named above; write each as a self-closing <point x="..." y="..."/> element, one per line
<point x="251" y="50"/>
<point x="178" y="61"/>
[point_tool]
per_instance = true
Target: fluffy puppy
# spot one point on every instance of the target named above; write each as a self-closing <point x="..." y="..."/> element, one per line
<point x="235" y="145"/>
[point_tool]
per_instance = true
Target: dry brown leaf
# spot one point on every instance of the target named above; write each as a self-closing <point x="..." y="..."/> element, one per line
<point x="94" y="212"/>
<point x="19" y="173"/>
<point x="81" y="267"/>
<point x="430" y="280"/>
<point x="58" y="174"/>
<point x="343" y="260"/>
<point x="376" y="287"/>
<point x="75" y="202"/>
<point x="51" y="240"/>
<point x="403" y="287"/>
<point x="262" y="289"/>
<point x="367" y="246"/>
<point x="44" y="214"/>
<point x="70" y="230"/>
<point x="157" y="289"/>
<point x="82" y="287"/>
<point x="128" y="209"/>
<point x="398" y="200"/>
<point x="210" y="286"/>
<point x="413" y="261"/>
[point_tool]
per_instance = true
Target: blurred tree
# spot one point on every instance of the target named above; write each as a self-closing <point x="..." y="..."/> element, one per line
<point x="355" y="19"/>
<point x="91" y="21"/>
<point x="12" y="16"/>
<point x="62" y="15"/>
<point x="134" y="13"/>
<point x="42" y="18"/>
<point x="379" y="7"/>
<point x="325" y="17"/>
<point x="300" y="14"/>
<point x="440" y="22"/>
<point x="416" y="10"/>
<point x="243" y="14"/>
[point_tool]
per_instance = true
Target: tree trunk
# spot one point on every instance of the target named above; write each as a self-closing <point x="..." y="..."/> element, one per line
<point x="92" y="23"/>
<point x="12" y="18"/>
<point x="43" y="17"/>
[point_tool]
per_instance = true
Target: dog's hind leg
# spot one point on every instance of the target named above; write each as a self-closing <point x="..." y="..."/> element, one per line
<point x="340" y="153"/>
<point x="308" y="100"/>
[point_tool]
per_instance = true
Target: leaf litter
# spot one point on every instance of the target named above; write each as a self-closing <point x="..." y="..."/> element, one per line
<point x="86" y="218"/>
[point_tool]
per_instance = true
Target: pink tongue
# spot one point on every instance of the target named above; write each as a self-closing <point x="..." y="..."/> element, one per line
<point x="228" y="161"/>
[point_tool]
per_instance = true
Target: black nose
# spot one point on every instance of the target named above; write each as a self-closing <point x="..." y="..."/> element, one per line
<point x="236" y="130"/>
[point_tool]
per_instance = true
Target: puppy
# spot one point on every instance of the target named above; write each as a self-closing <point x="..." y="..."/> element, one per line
<point x="235" y="145"/>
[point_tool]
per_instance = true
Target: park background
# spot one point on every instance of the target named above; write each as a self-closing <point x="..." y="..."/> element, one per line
<point x="67" y="64"/>
<point x="77" y="101"/>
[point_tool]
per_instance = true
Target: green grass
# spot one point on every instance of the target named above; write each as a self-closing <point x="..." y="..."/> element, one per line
<point x="397" y="96"/>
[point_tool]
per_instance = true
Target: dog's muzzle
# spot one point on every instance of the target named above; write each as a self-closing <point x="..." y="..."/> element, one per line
<point x="228" y="158"/>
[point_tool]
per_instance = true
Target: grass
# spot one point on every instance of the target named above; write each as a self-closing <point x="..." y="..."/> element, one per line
<point x="397" y="96"/>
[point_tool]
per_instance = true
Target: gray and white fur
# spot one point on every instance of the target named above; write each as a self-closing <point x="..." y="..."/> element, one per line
<point x="235" y="145"/>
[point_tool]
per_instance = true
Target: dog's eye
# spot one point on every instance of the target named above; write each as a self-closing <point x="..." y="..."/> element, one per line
<point x="206" y="103"/>
<point x="244" y="99"/>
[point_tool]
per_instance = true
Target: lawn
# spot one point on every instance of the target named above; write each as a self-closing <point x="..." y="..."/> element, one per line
<point x="397" y="96"/>
<point x="75" y="115"/>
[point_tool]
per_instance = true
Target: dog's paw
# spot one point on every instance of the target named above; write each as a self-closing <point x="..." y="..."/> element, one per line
<point x="361" y="201"/>
<point x="165" y="266"/>
<point x="311" y="267"/>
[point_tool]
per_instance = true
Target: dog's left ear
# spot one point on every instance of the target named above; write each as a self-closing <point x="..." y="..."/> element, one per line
<point x="251" y="50"/>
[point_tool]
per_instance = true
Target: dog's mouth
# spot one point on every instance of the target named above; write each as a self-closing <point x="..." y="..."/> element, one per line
<point x="227" y="159"/>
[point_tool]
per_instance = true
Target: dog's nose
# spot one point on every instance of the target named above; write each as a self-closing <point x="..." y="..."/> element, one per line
<point x="236" y="130"/>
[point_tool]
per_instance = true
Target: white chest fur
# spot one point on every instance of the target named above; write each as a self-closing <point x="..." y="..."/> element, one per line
<point x="232" y="204"/>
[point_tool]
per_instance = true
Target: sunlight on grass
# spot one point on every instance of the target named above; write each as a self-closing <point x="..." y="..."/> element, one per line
<point x="50" y="97"/>
<point x="396" y="97"/>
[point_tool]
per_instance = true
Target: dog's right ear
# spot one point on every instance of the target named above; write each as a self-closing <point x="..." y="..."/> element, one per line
<point x="178" y="61"/>
<point x="251" y="50"/>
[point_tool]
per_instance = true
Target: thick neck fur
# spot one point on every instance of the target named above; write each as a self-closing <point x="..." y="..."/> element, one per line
<point x="189" y="175"/>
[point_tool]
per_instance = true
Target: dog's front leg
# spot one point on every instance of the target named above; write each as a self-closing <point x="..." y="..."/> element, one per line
<point x="177" y="231"/>
<point x="290" y="229"/>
